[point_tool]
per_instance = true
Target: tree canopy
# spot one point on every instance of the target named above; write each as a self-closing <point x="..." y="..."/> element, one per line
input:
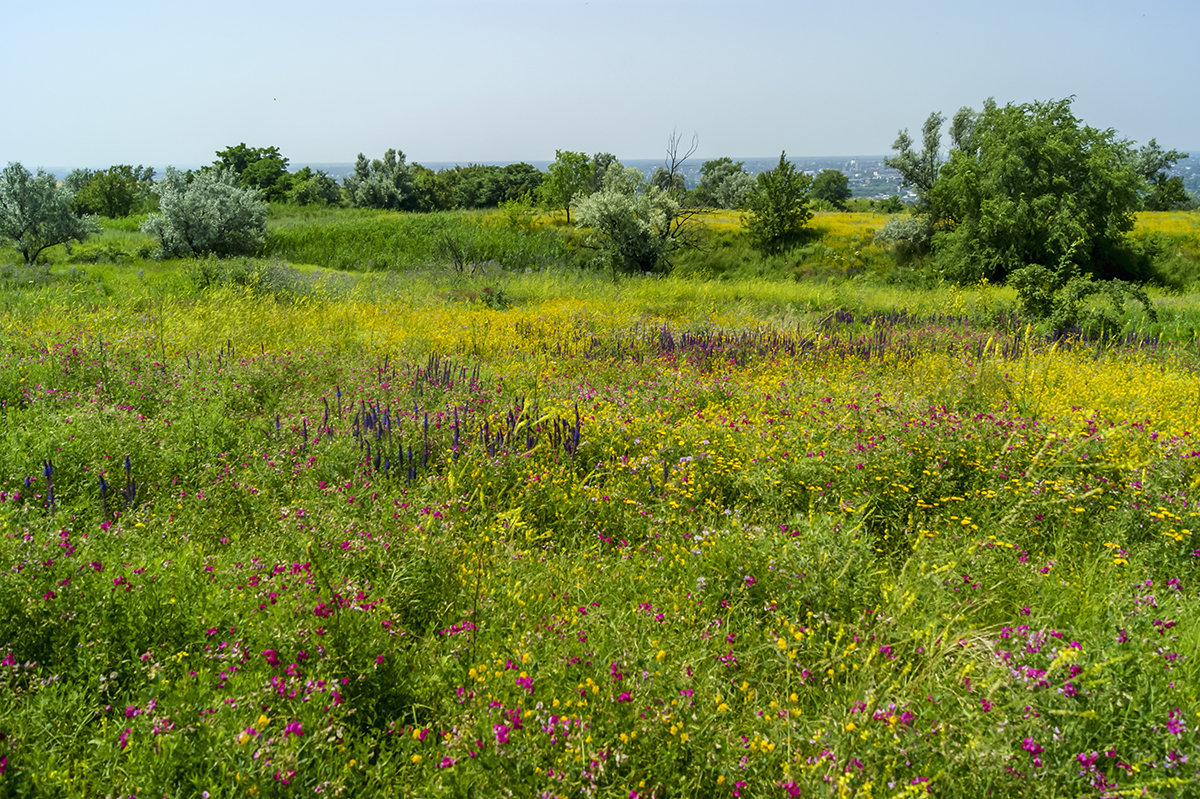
<point x="569" y="176"/>
<point x="1163" y="192"/>
<point x="114" y="192"/>
<point x="777" y="208"/>
<point x="1023" y="184"/>
<point x="262" y="168"/>
<point x="382" y="183"/>
<point x="36" y="213"/>
<point x="832" y="186"/>
<point x="630" y="222"/>
<point x="723" y="183"/>
<point x="207" y="213"/>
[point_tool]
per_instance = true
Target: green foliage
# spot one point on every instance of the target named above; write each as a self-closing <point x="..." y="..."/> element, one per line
<point x="777" y="208"/>
<point x="1167" y="193"/>
<point x="117" y="191"/>
<point x="566" y="179"/>
<point x="313" y="187"/>
<point x="268" y="278"/>
<point x="475" y="185"/>
<point x="519" y="212"/>
<point x="261" y="168"/>
<point x="35" y="213"/>
<point x="209" y="214"/>
<point x="630" y="225"/>
<point x="909" y="237"/>
<point x="723" y="184"/>
<point x="1056" y="298"/>
<point x="601" y="163"/>
<point x="671" y="183"/>
<point x="833" y="186"/>
<point x="1031" y="185"/>
<point x="919" y="171"/>
<point x="1162" y="192"/>
<point x="385" y="183"/>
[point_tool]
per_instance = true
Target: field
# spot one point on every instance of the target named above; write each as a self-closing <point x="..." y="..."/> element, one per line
<point x="275" y="532"/>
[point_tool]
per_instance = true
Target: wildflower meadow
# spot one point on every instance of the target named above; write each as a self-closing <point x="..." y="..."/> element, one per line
<point x="552" y="536"/>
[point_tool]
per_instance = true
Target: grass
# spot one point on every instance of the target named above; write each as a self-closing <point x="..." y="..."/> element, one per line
<point x="273" y="530"/>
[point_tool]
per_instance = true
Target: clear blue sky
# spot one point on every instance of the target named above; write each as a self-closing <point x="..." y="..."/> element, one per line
<point x="87" y="83"/>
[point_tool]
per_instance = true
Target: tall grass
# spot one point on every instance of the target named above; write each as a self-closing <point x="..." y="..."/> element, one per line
<point x="651" y="538"/>
<point x="380" y="241"/>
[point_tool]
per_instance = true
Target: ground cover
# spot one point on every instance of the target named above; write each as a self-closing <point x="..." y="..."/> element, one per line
<point x="649" y="539"/>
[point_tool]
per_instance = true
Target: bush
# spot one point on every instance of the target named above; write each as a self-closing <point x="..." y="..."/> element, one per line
<point x="1056" y="298"/>
<point x="631" y="230"/>
<point x="908" y="236"/>
<point x="207" y="214"/>
<point x="778" y="208"/>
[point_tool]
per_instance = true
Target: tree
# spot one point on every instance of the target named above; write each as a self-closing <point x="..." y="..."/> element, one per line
<point x="35" y="213"/>
<point x="919" y="170"/>
<point x="833" y="186"/>
<point x="631" y="223"/>
<point x="262" y="168"/>
<point x="777" y="208"/>
<point x="723" y="184"/>
<point x="382" y="183"/>
<point x="518" y="180"/>
<point x="207" y="213"/>
<point x="1030" y="185"/>
<point x="114" y="192"/>
<point x="600" y="165"/>
<point x="566" y="178"/>
<point x="313" y="187"/>
<point x="672" y="184"/>
<point x="1163" y="192"/>
<point x="433" y="190"/>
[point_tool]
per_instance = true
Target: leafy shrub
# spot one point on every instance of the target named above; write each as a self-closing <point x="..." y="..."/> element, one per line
<point x="631" y="230"/>
<point x="207" y="214"/>
<point x="908" y="236"/>
<point x="777" y="208"/>
<point x="1056" y="298"/>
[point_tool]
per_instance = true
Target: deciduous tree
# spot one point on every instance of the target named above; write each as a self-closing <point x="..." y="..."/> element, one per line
<point x="1028" y="185"/>
<point x="36" y="213"/>
<point x="723" y="183"/>
<point x="262" y="168"/>
<point x="1163" y="192"/>
<point x="116" y="191"/>
<point x="630" y="222"/>
<point x="833" y="186"/>
<point x="566" y="178"/>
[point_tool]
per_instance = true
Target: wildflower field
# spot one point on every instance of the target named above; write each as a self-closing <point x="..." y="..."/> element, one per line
<point x="579" y="539"/>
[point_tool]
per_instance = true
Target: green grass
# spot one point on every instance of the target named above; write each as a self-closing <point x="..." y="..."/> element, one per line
<point x="813" y="536"/>
<point x="382" y="241"/>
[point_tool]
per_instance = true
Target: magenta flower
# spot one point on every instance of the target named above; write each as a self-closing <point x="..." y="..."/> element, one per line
<point x="272" y="656"/>
<point x="293" y="728"/>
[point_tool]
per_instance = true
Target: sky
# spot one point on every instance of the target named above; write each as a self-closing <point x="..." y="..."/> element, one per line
<point x="166" y="82"/>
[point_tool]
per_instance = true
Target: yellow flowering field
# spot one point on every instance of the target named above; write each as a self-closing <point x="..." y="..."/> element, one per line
<point x="585" y="540"/>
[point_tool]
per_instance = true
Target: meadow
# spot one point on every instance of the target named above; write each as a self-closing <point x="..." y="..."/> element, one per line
<point x="272" y="528"/>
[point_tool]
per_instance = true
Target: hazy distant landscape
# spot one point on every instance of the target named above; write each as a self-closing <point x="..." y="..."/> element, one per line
<point x="869" y="176"/>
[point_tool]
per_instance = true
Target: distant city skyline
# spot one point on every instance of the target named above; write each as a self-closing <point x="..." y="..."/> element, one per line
<point x="135" y="81"/>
